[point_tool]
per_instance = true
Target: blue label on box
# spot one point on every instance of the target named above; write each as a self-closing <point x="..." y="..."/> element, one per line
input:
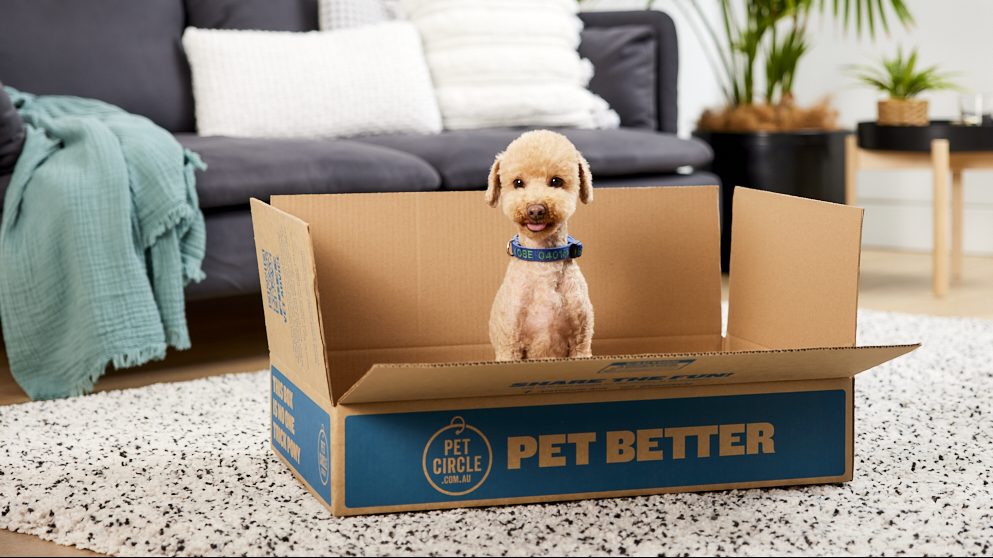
<point x="478" y="454"/>
<point x="301" y="433"/>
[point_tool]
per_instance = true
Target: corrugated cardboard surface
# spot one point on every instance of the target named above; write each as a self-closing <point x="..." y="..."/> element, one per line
<point x="287" y="275"/>
<point x="411" y="382"/>
<point x="419" y="271"/>
<point x="794" y="272"/>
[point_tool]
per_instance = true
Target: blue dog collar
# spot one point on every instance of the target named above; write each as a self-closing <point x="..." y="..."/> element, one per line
<point x="573" y="249"/>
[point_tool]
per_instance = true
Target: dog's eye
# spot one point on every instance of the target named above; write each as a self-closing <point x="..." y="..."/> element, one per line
<point x="518" y="183"/>
<point x="556" y="182"/>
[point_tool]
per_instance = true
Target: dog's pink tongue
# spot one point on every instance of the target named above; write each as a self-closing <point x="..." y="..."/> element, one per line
<point x="537" y="227"/>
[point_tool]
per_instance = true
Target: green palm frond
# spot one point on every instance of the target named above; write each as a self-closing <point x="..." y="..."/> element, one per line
<point x="772" y="34"/>
<point x="782" y="59"/>
<point x="865" y="13"/>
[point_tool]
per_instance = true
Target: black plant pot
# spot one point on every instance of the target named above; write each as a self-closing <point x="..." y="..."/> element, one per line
<point x="810" y="164"/>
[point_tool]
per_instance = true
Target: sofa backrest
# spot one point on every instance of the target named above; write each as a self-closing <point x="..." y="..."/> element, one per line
<point x="266" y="15"/>
<point x="129" y="52"/>
<point x="125" y="52"/>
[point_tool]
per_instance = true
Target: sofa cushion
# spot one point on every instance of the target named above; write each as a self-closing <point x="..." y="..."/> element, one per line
<point x="273" y="84"/>
<point x="623" y="59"/>
<point x="463" y="157"/>
<point x="239" y="169"/>
<point x="124" y="52"/>
<point x="666" y="56"/>
<point x="264" y="15"/>
<point x="507" y="63"/>
<point x="345" y="14"/>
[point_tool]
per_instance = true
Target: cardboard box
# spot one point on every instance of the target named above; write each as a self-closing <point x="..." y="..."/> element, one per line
<point x="384" y="396"/>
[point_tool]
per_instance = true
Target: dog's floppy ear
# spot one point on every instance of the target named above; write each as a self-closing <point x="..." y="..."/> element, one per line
<point x="585" y="180"/>
<point x="493" y="189"/>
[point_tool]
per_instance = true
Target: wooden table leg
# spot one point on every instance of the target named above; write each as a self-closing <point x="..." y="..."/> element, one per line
<point x="940" y="167"/>
<point x="958" y="203"/>
<point x="851" y="168"/>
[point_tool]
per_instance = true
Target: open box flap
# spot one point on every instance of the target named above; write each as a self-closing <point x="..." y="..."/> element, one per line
<point x="407" y="272"/>
<point x="794" y="272"/>
<point x="289" y="292"/>
<point x="410" y="382"/>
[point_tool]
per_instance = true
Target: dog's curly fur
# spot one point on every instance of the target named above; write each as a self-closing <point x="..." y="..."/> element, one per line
<point x="542" y="309"/>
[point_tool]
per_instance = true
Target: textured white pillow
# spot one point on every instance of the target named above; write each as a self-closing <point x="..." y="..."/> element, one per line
<point x="343" y="14"/>
<point x="508" y="63"/>
<point x="368" y="80"/>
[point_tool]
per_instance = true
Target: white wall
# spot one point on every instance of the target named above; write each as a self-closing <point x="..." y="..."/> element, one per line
<point x="955" y="34"/>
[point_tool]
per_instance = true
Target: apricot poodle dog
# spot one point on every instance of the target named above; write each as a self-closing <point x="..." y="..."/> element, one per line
<point x="542" y="309"/>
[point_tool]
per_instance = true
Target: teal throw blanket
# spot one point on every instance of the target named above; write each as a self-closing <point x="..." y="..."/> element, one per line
<point x="101" y="230"/>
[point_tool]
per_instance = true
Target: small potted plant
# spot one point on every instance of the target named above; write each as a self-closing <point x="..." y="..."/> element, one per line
<point x="900" y="78"/>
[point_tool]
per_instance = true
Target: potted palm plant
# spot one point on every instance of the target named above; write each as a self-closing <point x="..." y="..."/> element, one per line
<point x="761" y="137"/>
<point x="900" y="79"/>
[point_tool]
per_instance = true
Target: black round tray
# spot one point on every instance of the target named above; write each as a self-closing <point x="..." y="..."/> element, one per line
<point x="918" y="138"/>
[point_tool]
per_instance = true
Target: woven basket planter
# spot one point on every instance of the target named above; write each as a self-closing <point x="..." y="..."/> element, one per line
<point x="902" y="112"/>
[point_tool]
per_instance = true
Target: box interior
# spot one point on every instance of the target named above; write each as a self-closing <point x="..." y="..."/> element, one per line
<point x="407" y="278"/>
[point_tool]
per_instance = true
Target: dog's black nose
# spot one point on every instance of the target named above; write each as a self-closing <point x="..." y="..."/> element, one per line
<point x="537" y="212"/>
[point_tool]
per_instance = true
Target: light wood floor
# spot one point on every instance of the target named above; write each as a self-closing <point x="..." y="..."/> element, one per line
<point x="229" y="336"/>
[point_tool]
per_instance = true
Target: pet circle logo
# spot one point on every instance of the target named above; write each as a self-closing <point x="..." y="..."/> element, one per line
<point x="457" y="459"/>
<point x="323" y="457"/>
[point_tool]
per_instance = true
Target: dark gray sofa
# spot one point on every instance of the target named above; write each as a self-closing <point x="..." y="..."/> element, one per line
<point x="128" y="52"/>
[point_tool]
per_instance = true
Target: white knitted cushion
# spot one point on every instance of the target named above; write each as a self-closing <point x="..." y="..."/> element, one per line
<point x="367" y="80"/>
<point x="342" y="14"/>
<point x="508" y="63"/>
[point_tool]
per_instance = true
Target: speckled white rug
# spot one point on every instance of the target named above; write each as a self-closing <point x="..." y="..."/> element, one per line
<point x="185" y="469"/>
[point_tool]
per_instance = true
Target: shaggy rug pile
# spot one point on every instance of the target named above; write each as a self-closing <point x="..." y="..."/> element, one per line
<point x="186" y="469"/>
